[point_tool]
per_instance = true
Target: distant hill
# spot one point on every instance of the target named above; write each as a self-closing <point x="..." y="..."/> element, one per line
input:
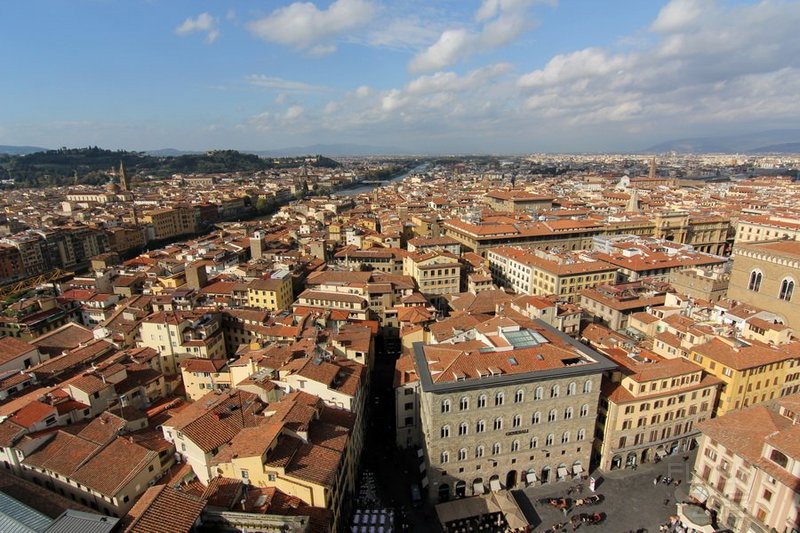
<point x="95" y="165"/>
<point x="332" y="150"/>
<point x="19" y="150"/>
<point x="170" y="152"/>
<point x="785" y="148"/>
<point x="759" y="142"/>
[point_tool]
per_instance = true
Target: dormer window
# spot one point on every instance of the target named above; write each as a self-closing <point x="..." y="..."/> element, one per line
<point x="779" y="458"/>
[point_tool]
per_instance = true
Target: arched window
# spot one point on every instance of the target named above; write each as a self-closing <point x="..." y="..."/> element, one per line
<point x="581" y="434"/>
<point x="516" y="421"/>
<point x="445" y="431"/>
<point x="568" y="413"/>
<point x="565" y="437"/>
<point x="571" y="388"/>
<point x="498" y="398"/>
<point x="498" y="424"/>
<point x="554" y="391"/>
<point x="549" y="440"/>
<point x="587" y="387"/>
<point x="480" y="427"/>
<point x="585" y="409"/>
<point x="445" y="406"/>
<point x="538" y="394"/>
<point x="534" y="443"/>
<point x="463" y="404"/>
<point x="519" y="396"/>
<point x="515" y="446"/>
<point x="481" y="401"/>
<point x="496" y="448"/>
<point x="755" y="280"/>
<point x="778" y="458"/>
<point x="551" y="416"/>
<point x="462" y="429"/>
<point x="462" y="454"/>
<point x="537" y="417"/>
<point x="479" y="452"/>
<point x="787" y="288"/>
<point x="445" y="457"/>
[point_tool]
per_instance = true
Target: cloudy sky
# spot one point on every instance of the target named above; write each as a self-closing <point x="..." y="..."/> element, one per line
<point x="421" y="75"/>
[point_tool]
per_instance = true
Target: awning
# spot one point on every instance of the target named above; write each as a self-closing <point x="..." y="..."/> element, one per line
<point x="661" y="452"/>
<point x="562" y="472"/>
<point x="478" y="488"/>
<point x="530" y="477"/>
<point x="424" y="482"/>
<point x="577" y="469"/>
<point x="699" y="493"/>
<point x="495" y="485"/>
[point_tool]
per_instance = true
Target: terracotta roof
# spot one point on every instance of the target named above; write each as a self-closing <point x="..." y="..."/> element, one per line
<point x="11" y="348"/>
<point x="250" y="442"/>
<point x="66" y="337"/>
<point x="162" y="509"/>
<point x="203" y="365"/>
<point x="783" y="247"/>
<point x="217" y="417"/>
<point x="741" y="357"/>
<point x="116" y="465"/>
<point x="317" y="464"/>
<point x="103" y="428"/>
<point x="32" y="413"/>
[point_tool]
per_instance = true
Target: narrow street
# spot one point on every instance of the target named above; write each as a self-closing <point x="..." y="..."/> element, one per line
<point x="393" y="470"/>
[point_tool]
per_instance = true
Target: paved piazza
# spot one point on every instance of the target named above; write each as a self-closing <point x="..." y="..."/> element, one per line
<point x="631" y="501"/>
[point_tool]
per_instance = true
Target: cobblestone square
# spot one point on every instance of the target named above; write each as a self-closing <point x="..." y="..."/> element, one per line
<point x="631" y="501"/>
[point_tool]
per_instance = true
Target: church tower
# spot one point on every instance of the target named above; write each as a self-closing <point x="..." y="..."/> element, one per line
<point x="653" y="168"/>
<point x="123" y="178"/>
<point x="633" y="202"/>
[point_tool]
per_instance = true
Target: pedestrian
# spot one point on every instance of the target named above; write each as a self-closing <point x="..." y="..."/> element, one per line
<point x="677" y="482"/>
<point x="666" y="501"/>
<point x="655" y="480"/>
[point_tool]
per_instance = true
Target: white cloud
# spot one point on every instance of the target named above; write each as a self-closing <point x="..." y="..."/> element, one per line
<point x="203" y="23"/>
<point x="682" y="14"/>
<point x="502" y="21"/>
<point x="704" y="65"/>
<point x="402" y="32"/>
<point x="690" y="73"/>
<point x="280" y="84"/>
<point x="303" y="26"/>
<point x="294" y="112"/>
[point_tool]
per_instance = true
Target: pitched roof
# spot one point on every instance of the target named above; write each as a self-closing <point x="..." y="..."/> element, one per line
<point x="11" y="348"/>
<point x="116" y="465"/>
<point x="162" y="509"/>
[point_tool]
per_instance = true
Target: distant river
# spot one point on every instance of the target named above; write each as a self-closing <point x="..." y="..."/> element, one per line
<point x="370" y="186"/>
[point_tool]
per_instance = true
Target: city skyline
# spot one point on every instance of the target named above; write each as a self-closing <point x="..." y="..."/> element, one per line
<point x="491" y="76"/>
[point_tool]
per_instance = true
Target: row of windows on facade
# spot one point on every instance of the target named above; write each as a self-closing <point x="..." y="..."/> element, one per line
<point x="668" y="416"/>
<point x="658" y="404"/>
<point x="641" y="438"/>
<point x="775" y="455"/>
<point x="519" y="396"/>
<point x="787" y="285"/>
<point x="497" y="448"/>
<point x="516" y="421"/>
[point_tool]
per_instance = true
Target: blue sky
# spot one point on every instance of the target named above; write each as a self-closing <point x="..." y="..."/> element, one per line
<point x="438" y="75"/>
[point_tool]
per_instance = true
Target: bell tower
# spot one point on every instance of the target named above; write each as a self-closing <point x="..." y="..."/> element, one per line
<point x="123" y="178"/>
